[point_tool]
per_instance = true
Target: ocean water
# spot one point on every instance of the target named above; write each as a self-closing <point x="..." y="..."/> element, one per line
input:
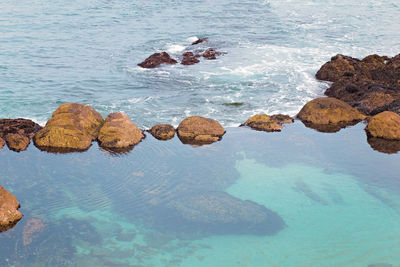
<point x="331" y="198"/>
<point x="54" y="52"/>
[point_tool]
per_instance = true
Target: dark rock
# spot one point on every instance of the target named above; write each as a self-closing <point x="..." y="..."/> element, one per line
<point x="21" y="126"/>
<point x="200" y="41"/>
<point x="384" y="125"/>
<point x="17" y="142"/>
<point x="233" y="104"/>
<point x="163" y="131"/>
<point x="9" y="214"/>
<point x="197" y="130"/>
<point x="156" y="60"/>
<point x="189" y="58"/>
<point x="211" y="54"/>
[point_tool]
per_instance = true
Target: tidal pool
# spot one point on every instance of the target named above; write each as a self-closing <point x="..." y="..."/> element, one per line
<point x="295" y="198"/>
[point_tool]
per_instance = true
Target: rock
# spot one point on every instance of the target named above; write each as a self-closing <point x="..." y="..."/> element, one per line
<point x="280" y="118"/>
<point x="119" y="131"/>
<point x="199" y="130"/>
<point x="72" y="127"/>
<point x="200" y="41"/>
<point x="329" y="114"/>
<point x="384" y="125"/>
<point x="1" y="143"/>
<point x="9" y="214"/>
<point x="20" y="126"/>
<point x="220" y="213"/>
<point x="384" y="145"/>
<point x="163" y="131"/>
<point x="371" y="84"/>
<point x="156" y="60"/>
<point x="263" y="123"/>
<point x="17" y="142"/>
<point x="211" y="54"/>
<point x="189" y="58"/>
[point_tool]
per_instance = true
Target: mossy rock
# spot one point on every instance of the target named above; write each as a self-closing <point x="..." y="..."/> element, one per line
<point x="384" y="125"/>
<point x="163" y="131"/>
<point x="17" y="142"/>
<point x="198" y="130"/>
<point x="263" y="122"/>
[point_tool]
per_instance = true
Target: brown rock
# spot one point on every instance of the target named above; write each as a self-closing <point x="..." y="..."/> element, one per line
<point x="336" y="68"/>
<point x="21" y="126"/>
<point x="119" y="131"/>
<point x="72" y="127"/>
<point x="9" y="214"/>
<point x="156" y="60"/>
<point x="189" y="58"/>
<point x="1" y="143"/>
<point x="200" y="41"/>
<point x="17" y="142"/>
<point x="280" y="118"/>
<point x="199" y="130"/>
<point x="163" y="131"/>
<point x="211" y="54"/>
<point x="384" y="145"/>
<point x="329" y="114"/>
<point x="263" y="122"/>
<point x="384" y="125"/>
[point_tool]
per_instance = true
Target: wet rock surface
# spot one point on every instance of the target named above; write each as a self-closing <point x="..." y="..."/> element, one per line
<point x="163" y="131"/>
<point x="156" y="60"/>
<point x="119" y="131"/>
<point x="198" y="130"/>
<point x="189" y="58"/>
<point x="9" y="214"/>
<point x="20" y="126"/>
<point x="211" y="54"/>
<point x="72" y="127"/>
<point x="263" y="122"/>
<point x="17" y="142"/>
<point x="384" y="125"/>
<point x="371" y="84"/>
<point x="329" y="114"/>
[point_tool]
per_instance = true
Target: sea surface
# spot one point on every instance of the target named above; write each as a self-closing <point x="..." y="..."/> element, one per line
<point x="87" y="51"/>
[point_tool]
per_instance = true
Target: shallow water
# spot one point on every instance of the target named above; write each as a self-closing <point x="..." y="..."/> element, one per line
<point x="338" y="198"/>
<point x="86" y="51"/>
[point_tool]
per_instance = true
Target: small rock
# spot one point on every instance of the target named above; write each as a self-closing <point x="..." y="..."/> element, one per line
<point x="200" y="41"/>
<point x="211" y="54"/>
<point x="9" y="214"/>
<point x="17" y="142"/>
<point x="163" y="131"/>
<point x="156" y="60"/>
<point x="263" y="122"/>
<point x="384" y="125"/>
<point x="199" y="130"/>
<point x="189" y="58"/>
<point x="280" y="118"/>
<point x="119" y="131"/>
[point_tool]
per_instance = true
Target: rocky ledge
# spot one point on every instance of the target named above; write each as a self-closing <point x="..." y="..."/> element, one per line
<point x="9" y="214"/>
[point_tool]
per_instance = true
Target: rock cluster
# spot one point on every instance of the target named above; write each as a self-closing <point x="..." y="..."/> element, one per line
<point x="9" y="214"/>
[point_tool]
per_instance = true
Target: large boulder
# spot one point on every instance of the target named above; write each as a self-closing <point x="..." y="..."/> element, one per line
<point x="329" y="114"/>
<point x="384" y="125"/>
<point x="72" y="127"/>
<point x="119" y="131"/>
<point x="9" y="214"/>
<point x="198" y="130"/>
<point x="17" y="142"/>
<point x="156" y="60"/>
<point x="20" y="126"/>
<point x="163" y="131"/>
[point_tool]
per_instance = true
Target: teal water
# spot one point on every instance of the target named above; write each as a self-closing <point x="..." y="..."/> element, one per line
<point x="331" y="200"/>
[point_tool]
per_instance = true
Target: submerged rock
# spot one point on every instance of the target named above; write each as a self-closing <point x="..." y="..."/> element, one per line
<point x="189" y="58"/>
<point x="17" y="142"/>
<point x="220" y="213"/>
<point x="384" y="125"/>
<point x="20" y="126"/>
<point x="263" y="122"/>
<point x="119" y="131"/>
<point x="31" y="229"/>
<point x="163" y="131"/>
<point x="156" y="60"/>
<point x="329" y="114"/>
<point x="198" y="130"/>
<point x="211" y="54"/>
<point x="72" y="127"/>
<point x="200" y="41"/>
<point x="9" y="214"/>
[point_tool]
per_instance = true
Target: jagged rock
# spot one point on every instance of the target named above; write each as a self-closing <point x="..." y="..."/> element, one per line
<point x="156" y="60"/>
<point x="9" y="214"/>
<point x="72" y="127"/>
<point x="163" y="131"/>
<point x="200" y="41"/>
<point x="211" y="54"/>
<point x="20" y="126"/>
<point x="384" y="125"/>
<point x="189" y="58"/>
<point x="17" y="142"/>
<point x="199" y="130"/>
<point x="329" y="114"/>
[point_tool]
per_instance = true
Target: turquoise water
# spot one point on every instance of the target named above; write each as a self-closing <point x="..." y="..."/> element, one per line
<point x="333" y="200"/>
<point x="54" y="52"/>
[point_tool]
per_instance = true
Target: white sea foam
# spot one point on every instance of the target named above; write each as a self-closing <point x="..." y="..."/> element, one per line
<point x="175" y="48"/>
<point x="192" y="39"/>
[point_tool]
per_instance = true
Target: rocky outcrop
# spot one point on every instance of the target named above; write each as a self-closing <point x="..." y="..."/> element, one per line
<point x="372" y="84"/>
<point x="220" y="213"/>
<point x="17" y="142"/>
<point x="200" y="41"/>
<point x="384" y="125"/>
<point x="163" y="131"/>
<point x="72" y="127"/>
<point x="329" y="114"/>
<point x="156" y="60"/>
<point x="119" y="131"/>
<point x="199" y="130"/>
<point x="9" y="214"/>
<point x="189" y="58"/>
